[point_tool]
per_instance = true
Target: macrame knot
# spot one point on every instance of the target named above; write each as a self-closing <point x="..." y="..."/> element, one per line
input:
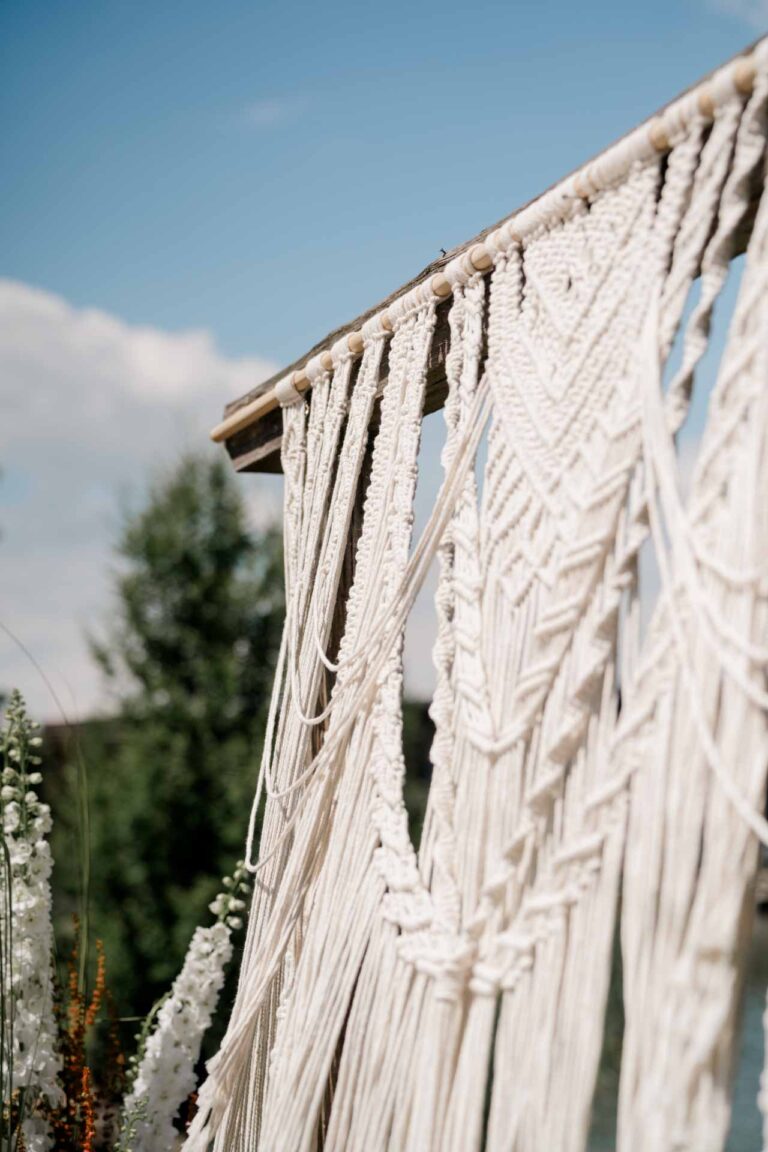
<point x="285" y="391"/>
<point x="485" y="980"/>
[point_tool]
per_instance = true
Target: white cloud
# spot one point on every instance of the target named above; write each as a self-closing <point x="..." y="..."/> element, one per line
<point x="267" y="112"/>
<point x="751" y="12"/>
<point x="92" y="407"/>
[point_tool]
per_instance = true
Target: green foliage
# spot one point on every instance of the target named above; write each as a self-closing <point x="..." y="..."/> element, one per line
<point x="190" y="655"/>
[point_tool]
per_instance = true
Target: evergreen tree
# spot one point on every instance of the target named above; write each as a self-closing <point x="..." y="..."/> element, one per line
<point x="190" y="653"/>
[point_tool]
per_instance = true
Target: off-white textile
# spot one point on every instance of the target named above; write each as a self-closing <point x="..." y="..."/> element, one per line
<point x="454" y="999"/>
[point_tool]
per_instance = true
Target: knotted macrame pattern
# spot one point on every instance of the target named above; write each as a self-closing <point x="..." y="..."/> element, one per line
<point x="593" y="778"/>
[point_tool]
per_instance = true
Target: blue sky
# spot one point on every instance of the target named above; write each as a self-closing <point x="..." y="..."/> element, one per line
<point x="192" y="194"/>
<point x="267" y="170"/>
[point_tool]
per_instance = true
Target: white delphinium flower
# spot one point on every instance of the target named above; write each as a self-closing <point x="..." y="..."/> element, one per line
<point x="30" y="1065"/>
<point x="165" y="1068"/>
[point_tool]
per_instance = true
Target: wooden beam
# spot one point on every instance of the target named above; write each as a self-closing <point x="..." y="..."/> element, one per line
<point x="257" y="447"/>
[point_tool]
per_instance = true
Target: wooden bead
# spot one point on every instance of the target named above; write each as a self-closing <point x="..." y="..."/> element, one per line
<point x="440" y="286"/>
<point x="480" y="258"/>
<point x="744" y="76"/>
<point x="706" y="103"/>
<point x="658" y="136"/>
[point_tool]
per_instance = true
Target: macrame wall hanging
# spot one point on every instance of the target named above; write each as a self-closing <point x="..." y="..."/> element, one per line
<point x="590" y="777"/>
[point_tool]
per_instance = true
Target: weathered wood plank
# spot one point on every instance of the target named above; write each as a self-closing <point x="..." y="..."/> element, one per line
<point x="257" y="448"/>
